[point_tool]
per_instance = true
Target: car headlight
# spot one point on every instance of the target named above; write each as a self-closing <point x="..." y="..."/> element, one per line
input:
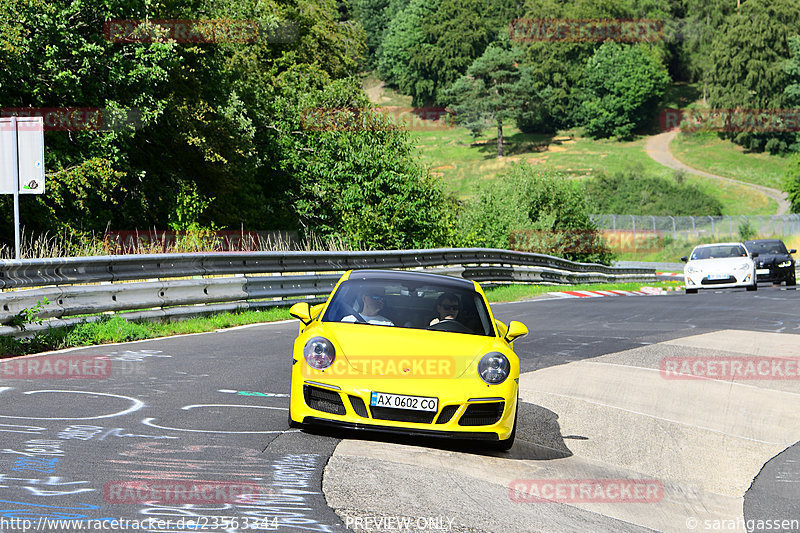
<point x="494" y="368"/>
<point x="785" y="264"/>
<point x="693" y="269"/>
<point x="744" y="266"/>
<point x="319" y="353"/>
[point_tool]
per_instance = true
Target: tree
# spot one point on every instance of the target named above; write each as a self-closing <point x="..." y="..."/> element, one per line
<point x="557" y="66"/>
<point x="792" y="182"/>
<point x="622" y="85"/>
<point x="354" y="170"/>
<point x="492" y="91"/>
<point x="431" y="43"/>
<point x="374" y="16"/>
<point x="701" y="26"/>
<point x="748" y="66"/>
<point x="533" y="211"/>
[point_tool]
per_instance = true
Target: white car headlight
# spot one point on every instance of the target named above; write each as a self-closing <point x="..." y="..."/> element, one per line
<point x="744" y="266"/>
<point x="494" y="368"/>
<point x="319" y="353"/>
<point x="785" y="264"/>
<point x="693" y="269"/>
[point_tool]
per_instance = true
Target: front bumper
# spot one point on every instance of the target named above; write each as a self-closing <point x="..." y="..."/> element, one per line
<point x="467" y="408"/>
<point x="775" y="274"/>
<point x="735" y="278"/>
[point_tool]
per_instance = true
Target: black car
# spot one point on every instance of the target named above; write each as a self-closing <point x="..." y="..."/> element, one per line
<point x="774" y="263"/>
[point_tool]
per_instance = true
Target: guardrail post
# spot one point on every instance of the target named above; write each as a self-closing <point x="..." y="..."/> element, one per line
<point x="673" y="226"/>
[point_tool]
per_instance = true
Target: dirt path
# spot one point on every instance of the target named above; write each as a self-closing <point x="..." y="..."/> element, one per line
<point x="657" y="148"/>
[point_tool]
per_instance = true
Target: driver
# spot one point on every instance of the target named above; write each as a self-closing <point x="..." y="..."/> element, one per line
<point x="372" y="302"/>
<point x="448" y="306"/>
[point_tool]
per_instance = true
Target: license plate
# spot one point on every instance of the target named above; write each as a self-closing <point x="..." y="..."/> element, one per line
<point x="762" y="271"/>
<point x="401" y="401"/>
<point x="718" y="276"/>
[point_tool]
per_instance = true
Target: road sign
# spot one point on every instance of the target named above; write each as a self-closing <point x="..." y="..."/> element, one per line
<point x="29" y="134"/>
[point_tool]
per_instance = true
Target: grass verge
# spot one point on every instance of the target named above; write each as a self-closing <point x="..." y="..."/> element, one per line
<point x="706" y="151"/>
<point x="113" y="329"/>
<point x="516" y="292"/>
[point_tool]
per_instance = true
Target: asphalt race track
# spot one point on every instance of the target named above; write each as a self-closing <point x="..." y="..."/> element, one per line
<point x="206" y="415"/>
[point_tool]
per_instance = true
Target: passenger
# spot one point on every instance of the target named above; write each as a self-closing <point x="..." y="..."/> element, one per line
<point x="372" y="302"/>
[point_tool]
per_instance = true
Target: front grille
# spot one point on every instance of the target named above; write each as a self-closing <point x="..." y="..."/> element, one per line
<point x="482" y="414"/>
<point x="729" y="279"/>
<point x="323" y="400"/>
<point x="358" y="406"/>
<point x="447" y="413"/>
<point x="402" y="415"/>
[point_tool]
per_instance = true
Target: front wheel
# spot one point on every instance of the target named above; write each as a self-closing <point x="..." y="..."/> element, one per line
<point x="753" y="287"/>
<point x="691" y="291"/>
<point x="791" y="281"/>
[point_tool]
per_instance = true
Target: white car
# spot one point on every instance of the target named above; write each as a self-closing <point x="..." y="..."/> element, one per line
<point x="719" y="266"/>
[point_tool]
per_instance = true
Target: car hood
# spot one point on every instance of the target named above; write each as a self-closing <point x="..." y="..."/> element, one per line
<point x="359" y="342"/>
<point x="722" y="264"/>
<point x="768" y="259"/>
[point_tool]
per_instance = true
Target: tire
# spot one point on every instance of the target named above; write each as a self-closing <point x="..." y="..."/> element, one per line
<point x="691" y="291"/>
<point x="505" y="445"/>
<point x="753" y="287"/>
<point x="791" y="281"/>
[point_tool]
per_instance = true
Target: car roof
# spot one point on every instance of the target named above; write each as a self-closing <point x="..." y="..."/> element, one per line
<point x="718" y="244"/>
<point x="413" y="277"/>
<point x="754" y="241"/>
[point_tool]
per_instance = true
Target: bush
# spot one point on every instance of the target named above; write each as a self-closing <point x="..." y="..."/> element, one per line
<point x="621" y="88"/>
<point x="532" y="211"/>
<point x="633" y="192"/>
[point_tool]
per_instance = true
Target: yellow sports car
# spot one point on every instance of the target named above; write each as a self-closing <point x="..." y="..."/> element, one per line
<point x="406" y="352"/>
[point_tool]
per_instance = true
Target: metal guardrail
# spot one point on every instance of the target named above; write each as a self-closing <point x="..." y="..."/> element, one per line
<point x="147" y="284"/>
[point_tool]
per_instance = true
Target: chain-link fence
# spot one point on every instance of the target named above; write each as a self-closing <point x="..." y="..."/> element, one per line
<point x="730" y="227"/>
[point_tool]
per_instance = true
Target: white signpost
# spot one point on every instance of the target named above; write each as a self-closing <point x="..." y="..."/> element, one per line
<point x="21" y="161"/>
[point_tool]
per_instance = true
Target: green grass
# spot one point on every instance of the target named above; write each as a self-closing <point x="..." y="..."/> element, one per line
<point x="705" y="151"/>
<point x="463" y="163"/>
<point x="113" y="329"/>
<point x="515" y="292"/>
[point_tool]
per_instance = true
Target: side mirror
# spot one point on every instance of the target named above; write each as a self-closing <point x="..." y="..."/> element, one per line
<point x="792" y="251"/>
<point x="754" y="254"/>
<point x="515" y="331"/>
<point x="685" y="259"/>
<point x="302" y="312"/>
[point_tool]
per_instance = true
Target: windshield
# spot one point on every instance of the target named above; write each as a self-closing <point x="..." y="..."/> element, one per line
<point x="720" y="251"/>
<point x="769" y="247"/>
<point x="405" y="305"/>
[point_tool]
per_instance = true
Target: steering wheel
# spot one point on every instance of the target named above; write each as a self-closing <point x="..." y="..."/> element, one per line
<point x="451" y="325"/>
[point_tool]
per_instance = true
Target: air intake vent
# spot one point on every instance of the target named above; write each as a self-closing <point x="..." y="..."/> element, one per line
<point x="323" y="400"/>
<point x="447" y="413"/>
<point x="482" y="414"/>
<point x="358" y="406"/>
